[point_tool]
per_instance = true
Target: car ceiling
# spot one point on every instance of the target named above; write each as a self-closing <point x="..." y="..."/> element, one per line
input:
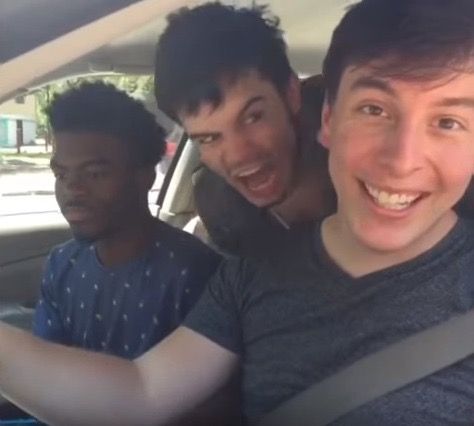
<point x="27" y="24"/>
<point x="24" y="24"/>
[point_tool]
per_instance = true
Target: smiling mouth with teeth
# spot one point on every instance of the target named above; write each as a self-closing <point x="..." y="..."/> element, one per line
<point x="391" y="200"/>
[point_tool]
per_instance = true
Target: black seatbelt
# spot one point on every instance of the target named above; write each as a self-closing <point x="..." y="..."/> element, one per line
<point x="379" y="373"/>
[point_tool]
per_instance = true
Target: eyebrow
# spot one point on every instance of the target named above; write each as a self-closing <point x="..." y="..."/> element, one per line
<point x="253" y="100"/>
<point x="369" y="82"/>
<point x="53" y="164"/>
<point x="454" y="102"/>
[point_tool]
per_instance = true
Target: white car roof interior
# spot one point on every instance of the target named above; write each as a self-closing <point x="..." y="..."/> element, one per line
<point x="43" y="40"/>
<point x="39" y="61"/>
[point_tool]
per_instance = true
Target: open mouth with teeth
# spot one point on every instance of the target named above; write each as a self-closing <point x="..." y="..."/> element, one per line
<point x="395" y="201"/>
<point x="258" y="180"/>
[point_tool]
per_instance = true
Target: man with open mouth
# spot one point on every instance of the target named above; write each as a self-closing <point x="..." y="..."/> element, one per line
<point x="241" y="104"/>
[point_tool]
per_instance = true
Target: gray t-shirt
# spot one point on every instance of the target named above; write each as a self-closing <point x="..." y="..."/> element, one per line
<point x="297" y="318"/>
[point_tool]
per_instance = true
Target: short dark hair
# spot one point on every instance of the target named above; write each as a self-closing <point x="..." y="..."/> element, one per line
<point x="102" y="108"/>
<point x="203" y="45"/>
<point x="417" y="39"/>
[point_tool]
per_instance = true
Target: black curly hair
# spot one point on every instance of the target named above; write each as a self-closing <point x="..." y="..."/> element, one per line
<point x="102" y="108"/>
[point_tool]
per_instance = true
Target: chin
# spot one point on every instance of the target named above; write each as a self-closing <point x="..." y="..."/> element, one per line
<point x="261" y="204"/>
<point x="84" y="238"/>
<point x="268" y="202"/>
<point x="83" y="235"/>
<point x="386" y="246"/>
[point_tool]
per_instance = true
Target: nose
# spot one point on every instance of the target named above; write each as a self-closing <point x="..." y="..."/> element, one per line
<point x="72" y="184"/>
<point x="238" y="150"/>
<point x="402" y="150"/>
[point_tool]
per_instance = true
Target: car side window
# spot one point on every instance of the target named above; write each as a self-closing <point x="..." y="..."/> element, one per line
<point x="26" y="181"/>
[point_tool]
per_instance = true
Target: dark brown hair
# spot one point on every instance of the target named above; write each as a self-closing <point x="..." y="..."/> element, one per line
<point x="203" y="45"/>
<point x="416" y="39"/>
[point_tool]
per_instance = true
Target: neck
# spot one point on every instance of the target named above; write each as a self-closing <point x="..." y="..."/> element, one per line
<point x="312" y="197"/>
<point x="127" y="243"/>
<point x="359" y="260"/>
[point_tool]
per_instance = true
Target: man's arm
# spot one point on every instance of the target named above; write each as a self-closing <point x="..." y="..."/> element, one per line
<point x="67" y="386"/>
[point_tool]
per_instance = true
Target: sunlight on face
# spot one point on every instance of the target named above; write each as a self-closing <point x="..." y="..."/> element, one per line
<point x="401" y="155"/>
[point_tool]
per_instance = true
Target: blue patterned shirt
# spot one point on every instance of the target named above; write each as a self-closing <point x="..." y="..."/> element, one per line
<point x="126" y="309"/>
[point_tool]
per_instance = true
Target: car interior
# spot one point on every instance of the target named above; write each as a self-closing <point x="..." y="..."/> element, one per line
<point x="46" y="41"/>
<point x="103" y="37"/>
<point x="42" y="41"/>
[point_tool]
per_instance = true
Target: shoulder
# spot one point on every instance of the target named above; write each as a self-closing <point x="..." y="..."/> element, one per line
<point x="174" y="238"/>
<point x="183" y="247"/>
<point x="451" y="259"/>
<point x="61" y="260"/>
<point x="239" y="276"/>
<point x="463" y="239"/>
<point x="467" y="226"/>
<point x="66" y="251"/>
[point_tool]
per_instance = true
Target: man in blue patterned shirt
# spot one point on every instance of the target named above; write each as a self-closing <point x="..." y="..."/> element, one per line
<point x="126" y="280"/>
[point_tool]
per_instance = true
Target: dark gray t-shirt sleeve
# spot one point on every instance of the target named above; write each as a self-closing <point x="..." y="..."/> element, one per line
<point x="217" y="313"/>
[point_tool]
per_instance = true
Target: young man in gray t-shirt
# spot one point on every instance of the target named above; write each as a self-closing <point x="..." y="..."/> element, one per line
<point x="394" y="258"/>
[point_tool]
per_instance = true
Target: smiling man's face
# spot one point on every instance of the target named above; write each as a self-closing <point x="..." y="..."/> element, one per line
<point x="249" y="138"/>
<point x="401" y="155"/>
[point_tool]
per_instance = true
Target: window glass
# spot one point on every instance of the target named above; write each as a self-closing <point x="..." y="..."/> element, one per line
<point x="26" y="182"/>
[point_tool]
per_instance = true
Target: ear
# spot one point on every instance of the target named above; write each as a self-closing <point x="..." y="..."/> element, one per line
<point x="325" y="124"/>
<point x="293" y="94"/>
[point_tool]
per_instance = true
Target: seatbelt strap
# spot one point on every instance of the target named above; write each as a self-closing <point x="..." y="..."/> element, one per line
<point x="377" y="374"/>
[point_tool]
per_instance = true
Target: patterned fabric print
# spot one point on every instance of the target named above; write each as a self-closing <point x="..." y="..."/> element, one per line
<point x="126" y="309"/>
